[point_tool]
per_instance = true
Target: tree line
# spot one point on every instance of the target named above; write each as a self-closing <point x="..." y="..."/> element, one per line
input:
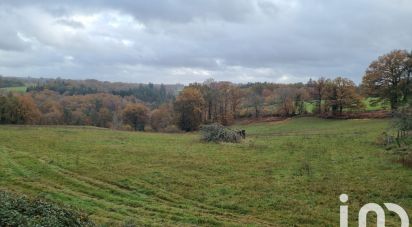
<point x="223" y="102"/>
<point x="149" y="93"/>
<point x="164" y="108"/>
<point x="10" y="82"/>
<point x="386" y="80"/>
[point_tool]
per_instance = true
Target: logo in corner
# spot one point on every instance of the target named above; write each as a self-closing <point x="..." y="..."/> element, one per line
<point x="375" y="208"/>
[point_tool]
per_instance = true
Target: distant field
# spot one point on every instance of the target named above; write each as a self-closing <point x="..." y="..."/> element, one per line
<point x="378" y="106"/>
<point x="14" y="89"/>
<point x="310" y="107"/>
<point x="286" y="173"/>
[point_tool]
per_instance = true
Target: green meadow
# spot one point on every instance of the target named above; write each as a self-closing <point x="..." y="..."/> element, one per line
<point x="372" y="104"/>
<point x="287" y="173"/>
<point x="22" y="89"/>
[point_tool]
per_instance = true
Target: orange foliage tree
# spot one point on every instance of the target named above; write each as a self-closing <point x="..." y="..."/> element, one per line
<point x="188" y="107"/>
<point x="388" y="78"/>
<point x="136" y="115"/>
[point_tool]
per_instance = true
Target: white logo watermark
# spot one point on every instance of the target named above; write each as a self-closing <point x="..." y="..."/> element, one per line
<point x="372" y="207"/>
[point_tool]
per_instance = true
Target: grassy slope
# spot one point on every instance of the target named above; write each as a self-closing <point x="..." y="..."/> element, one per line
<point x="285" y="173"/>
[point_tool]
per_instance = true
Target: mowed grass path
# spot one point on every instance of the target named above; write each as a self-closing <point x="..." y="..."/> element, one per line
<point x="286" y="173"/>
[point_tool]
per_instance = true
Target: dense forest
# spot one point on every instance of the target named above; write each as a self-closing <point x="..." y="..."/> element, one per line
<point x="385" y="86"/>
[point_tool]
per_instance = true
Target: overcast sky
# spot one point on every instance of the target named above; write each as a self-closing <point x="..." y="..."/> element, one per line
<point x="182" y="41"/>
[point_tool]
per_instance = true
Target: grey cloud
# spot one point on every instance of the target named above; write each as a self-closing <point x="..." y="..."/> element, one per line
<point x="236" y="40"/>
<point x="70" y="23"/>
<point x="10" y="41"/>
<point x="175" y="11"/>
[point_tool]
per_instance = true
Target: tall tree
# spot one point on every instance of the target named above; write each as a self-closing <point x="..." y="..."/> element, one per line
<point x="27" y="110"/>
<point x="9" y="110"/>
<point x="210" y="94"/>
<point x="136" y="115"/>
<point x="301" y="97"/>
<point x="235" y="96"/>
<point x="188" y="107"/>
<point x="256" y="99"/>
<point x="388" y="78"/>
<point x="18" y="110"/>
<point x="285" y="97"/>
<point x="319" y="92"/>
<point x="341" y="94"/>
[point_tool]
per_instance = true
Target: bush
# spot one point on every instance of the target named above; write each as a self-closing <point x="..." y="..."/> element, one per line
<point x="21" y="211"/>
<point x="219" y="133"/>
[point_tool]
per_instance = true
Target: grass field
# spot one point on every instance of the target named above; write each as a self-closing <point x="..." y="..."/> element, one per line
<point x="14" y="89"/>
<point x="378" y="106"/>
<point x="311" y="107"/>
<point x="289" y="173"/>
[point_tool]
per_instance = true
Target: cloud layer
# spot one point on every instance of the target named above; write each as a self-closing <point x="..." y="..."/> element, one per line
<point x="174" y="41"/>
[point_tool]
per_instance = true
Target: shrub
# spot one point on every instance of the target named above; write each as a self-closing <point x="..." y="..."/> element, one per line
<point x="21" y="211"/>
<point x="219" y="133"/>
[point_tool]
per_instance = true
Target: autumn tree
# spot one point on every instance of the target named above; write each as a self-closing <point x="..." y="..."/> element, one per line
<point x="18" y="110"/>
<point x="341" y="94"/>
<point x="301" y="96"/>
<point x="256" y="99"/>
<point x="388" y="78"/>
<point x="209" y="94"/>
<point x="235" y="96"/>
<point x="319" y="90"/>
<point x="12" y="115"/>
<point x="285" y="100"/>
<point x="161" y="118"/>
<point x="188" y="107"/>
<point x="136" y="115"/>
<point x="27" y="111"/>
<point x="6" y="109"/>
<point x="49" y="105"/>
<point x="104" y="117"/>
<point x="222" y="101"/>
